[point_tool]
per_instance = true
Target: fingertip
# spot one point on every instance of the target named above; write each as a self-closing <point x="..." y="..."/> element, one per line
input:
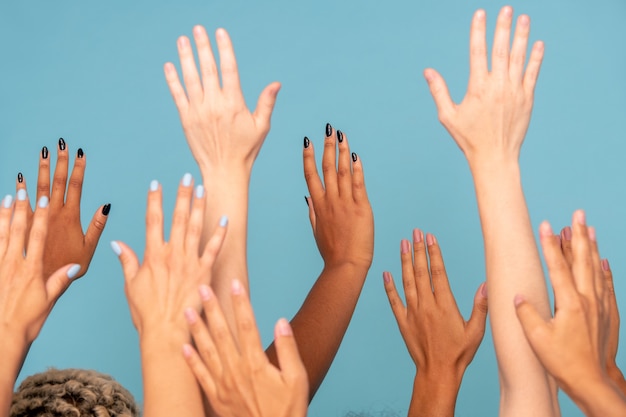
<point x="283" y="328"/>
<point x="224" y="221"/>
<point x="545" y="229"/>
<point x="480" y="14"/>
<point x="386" y="277"/>
<point x="187" y="350"/>
<point x="483" y="290"/>
<point x="43" y="202"/>
<point x="106" y="209"/>
<point x="430" y="75"/>
<point x="605" y="265"/>
<point x="221" y="33"/>
<point x="116" y="247"/>
<point x="518" y="300"/>
<point x="73" y="271"/>
<point x="7" y="201"/>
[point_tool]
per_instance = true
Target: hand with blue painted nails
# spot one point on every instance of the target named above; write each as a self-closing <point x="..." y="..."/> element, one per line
<point x="66" y="242"/>
<point x="572" y="346"/>
<point x="158" y="291"/>
<point x="26" y="294"/>
<point x="441" y="343"/>
<point x="237" y="377"/>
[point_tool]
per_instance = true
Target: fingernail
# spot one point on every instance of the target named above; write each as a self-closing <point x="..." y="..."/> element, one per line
<point x="545" y="229"/>
<point x="483" y="289"/>
<point x="306" y="142"/>
<point x="386" y="277"/>
<point x="7" y="201"/>
<point x="43" y="202"/>
<point x="116" y="248"/>
<point x="223" y="221"/>
<point x="307" y="201"/>
<point x="605" y="265"/>
<point x="404" y="246"/>
<point x="429" y="76"/>
<point x="579" y="216"/>
<point x="154" y="185"/>
<point x="21" y="194"/>
<point x="61" y="144"/>
<point x="80" y="153"/>
<point x="354" y="157"/>
<point x="205" y="292"/>
<point x="71" y="273"/>
<point x="199" y="191"/>
<point x="284" y="329"/>
<point x="44" y="152"/>
<point x="480" y="14"/>
<point x="417" y="235"/>
<point x="430" y="239"/>
<point x="567" y="233"/>
<point x="236" y="287"/>
<point x="524" y="20"/>
<point x="187" y="180"/>
<point x="106" y="209"/>
<point x="507" y="10"/>
<point x="187" y="350"/>
<point x="592" y="233"/>
<point x="340" y="136"/>
<point x="518" y="300"/>
<point x="329" y="130"/>
<point x="20" y="177"/>
<point x="190" y="315"/>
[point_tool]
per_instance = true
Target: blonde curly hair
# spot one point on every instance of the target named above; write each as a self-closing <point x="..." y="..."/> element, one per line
<point x="72" y="393"/>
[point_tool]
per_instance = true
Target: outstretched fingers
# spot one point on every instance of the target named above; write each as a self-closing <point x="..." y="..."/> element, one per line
<point x="228" y="64"/>
<point x="75" y="186"/>
<point x="518" y="50"/>
<point x="43" y="176"/>
<point x="208" y="68"/>
<point x="359" y="192"/>
<point x="311" y="176"/>
<point x="478" y="46"/>
<point x="344" y="166"/>
<point x="180" y="217"/>
<point x="247" y="331"/>
<point x="558" y="267"/>
<point x="59" y="180"/>
<point x="440" y="93"/>
<point x="291" y="366"/>
<point x="532" y="68"/>
<point x="190" y="72"/>
<point x="176" y="88"/>
<point x="501" y="42"/>
<point x="397" y="307"/>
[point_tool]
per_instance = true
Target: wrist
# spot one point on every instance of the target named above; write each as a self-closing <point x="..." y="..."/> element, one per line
<point x="598" y="397"/>
<point x="232" y="172"/>
<point x="434" y="393"/>
<point x="347" y="267"/>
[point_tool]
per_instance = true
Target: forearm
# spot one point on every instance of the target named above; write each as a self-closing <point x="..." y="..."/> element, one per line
<point x="599" y="399"/>
<point x="617" y="377"/>
<point x="322" y="320"/>
<point x="170" y="388"/>
<point x="513" y="267"/>
<point x="13" y="353"/>
<point x="434" y="394"/>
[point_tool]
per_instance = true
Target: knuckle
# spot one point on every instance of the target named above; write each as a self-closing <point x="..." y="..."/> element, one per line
<point x="437" y="271"/>
<point x="99" y="224"/>
<point x="76" y="183"/>
<point x="59" y="181"/>
<point x="154" y="219"/>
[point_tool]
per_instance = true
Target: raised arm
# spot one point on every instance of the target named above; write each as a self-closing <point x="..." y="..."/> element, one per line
<point x="225" y="139"/>
<point x="343" y="227"/>
<point x="572" y="345"/>
<point x="159" y="290"/>
<point x="441" y="343"/>
<point x="66" y="242"/>
<point x="27" y="295"/>
<point x="489" y="126"/>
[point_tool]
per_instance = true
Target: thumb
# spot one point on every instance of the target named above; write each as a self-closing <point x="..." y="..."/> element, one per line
<point x="61" y="280"/>
<point x="532" y="323"/>
<point x="478" y="319"/>
<point x="439" y="91"/>
<point x="265" y="106"/>
<point x="128" y="259"/>
<point x="289" y="360"/>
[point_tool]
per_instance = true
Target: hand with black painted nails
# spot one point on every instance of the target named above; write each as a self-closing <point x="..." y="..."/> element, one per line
<point x="26" y="294"/>
<point x="66" y="242"/>
<point x="441" y="343"/>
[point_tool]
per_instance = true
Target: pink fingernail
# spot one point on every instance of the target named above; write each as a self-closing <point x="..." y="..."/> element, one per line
<point x="430" y="239"/>
<point x="284" y="329"/>
<point x="592" y="233"/>
<point x="567" y="233"/>
<point x="236" y="287"/>
<point x="386" y="277"/>
<point x="483" y="289"/>
<point x="480" y="14"/>
<point x="417" y="235"/>
<point x="404" y="246"/>
<point x="579" y="217"/>
<point x="190" y="315"/>
<point x="605" y="265"/>
<point x="187" y="350"/>
<point x="205" y="292"/>
<point x="545" y="230"/>
<point x="519" y="299"/>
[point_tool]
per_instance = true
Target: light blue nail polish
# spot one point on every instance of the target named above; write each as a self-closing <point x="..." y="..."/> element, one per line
<point x="154" y="185"/>
<point x="71" y="273"/>
<point x="116" y="248"/>
<point x="21" y="194"/>
<point x="187" y="180"/>
<point x="7" y="201"/>
<point x="43" y="202"/>
<point x="224" y="221"/>
<point x="199" y="191"/>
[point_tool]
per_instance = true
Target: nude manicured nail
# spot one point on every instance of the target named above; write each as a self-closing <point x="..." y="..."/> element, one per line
<point x="190" y="315"/>
<point x="430" y="239"/>
<point x="483" y="289"/>
<point x="386" y="277"/>
<point x="519" y="299"/>
<point x="417" y="235"/>
<point x="579" y="217"/>
<point x="404" y="246"/>
<point x="236" y="287"/>
<point x="71" y="273"/>
<point x="567" y="233"/>
<point x="605" y="265"/>
<point x="284" y="329"/>
<point x="205" y="292"/>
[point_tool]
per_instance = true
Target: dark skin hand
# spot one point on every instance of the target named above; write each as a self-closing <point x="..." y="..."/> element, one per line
<point x="66" y="243"/>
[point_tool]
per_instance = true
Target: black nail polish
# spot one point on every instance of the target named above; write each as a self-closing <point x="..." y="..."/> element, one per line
<point x="20" y="177"/>
<point x="61" y="144"/>
<point x="106" y="209"/>
<point x="44" y="152"/>
<point x="306" y="142"/>
<point x="329" y="130"/>
<point x="80" y="153"/>
<point x="339" y="136"/>
<point x="307" y="201"/>
<point x="354" y="157"/>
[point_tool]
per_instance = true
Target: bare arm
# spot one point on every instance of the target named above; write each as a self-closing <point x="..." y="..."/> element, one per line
<point x="489" y="126"/>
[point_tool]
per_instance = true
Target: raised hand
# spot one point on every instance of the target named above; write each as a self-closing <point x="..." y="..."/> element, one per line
<point x="493" y="117"/>
<point x="441" y="343"/>
<point x="159" y="290"/>
<point x="27" y="295"/>
<point x="66" y="242"/>
<point x="225" y="138"/>
<point x="237" y="378"/>
<point x="572" y="345"/>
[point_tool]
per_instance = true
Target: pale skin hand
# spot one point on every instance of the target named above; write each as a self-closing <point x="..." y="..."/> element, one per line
<point x="159" y="290"/>
<point x="66" y="242"/>
<point x="26" y="294"/>
<point x="225" y="138"/>
<point x="441" y="343"/>
<point x="572" y="345"/>
<point x="237" y="378"/>
<point x="343" y="226"/>
<point x="612" y="369"/>
<point x="489" y="126"/>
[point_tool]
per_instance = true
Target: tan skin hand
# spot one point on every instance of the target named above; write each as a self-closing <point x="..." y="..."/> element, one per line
<point x="494" y="115"/>
<point x="339" y="210"/>
<point x="439" y="340"/>
<point x="220" y="130"/>
<point x="66" y="242"/>
<point x="238" y="378"/>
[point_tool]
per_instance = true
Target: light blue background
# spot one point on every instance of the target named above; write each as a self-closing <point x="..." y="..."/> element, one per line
<point x="91" y="72"/>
